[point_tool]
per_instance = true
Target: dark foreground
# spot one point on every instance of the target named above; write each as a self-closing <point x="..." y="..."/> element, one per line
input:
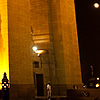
<point x="72" y="94"/>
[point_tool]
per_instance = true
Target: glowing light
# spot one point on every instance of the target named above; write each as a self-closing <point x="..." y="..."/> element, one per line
<point x="97" y="85"/>
<point x="7" y="84"/>
<point x="96" y="5"/>
<point x="39" y="51"/>
<point x="34" y="48"/>
<point x="4" y="86"/>
<point x="4" y="82"/>
<point x="97" y="78"/>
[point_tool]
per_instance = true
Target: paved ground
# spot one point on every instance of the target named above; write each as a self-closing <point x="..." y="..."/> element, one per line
<point x="52" y="98"/>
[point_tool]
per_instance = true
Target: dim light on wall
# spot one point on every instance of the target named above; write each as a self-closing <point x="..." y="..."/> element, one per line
<point x="39" y="51"/>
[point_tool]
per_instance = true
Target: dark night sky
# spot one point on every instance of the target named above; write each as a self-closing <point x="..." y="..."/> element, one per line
<point x="88" y="26"/>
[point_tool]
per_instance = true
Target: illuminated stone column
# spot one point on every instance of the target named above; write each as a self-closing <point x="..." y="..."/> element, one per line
<point x="4" y="54"/>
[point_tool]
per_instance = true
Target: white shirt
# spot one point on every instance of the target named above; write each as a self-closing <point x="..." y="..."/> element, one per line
<point x="49" y="87"/>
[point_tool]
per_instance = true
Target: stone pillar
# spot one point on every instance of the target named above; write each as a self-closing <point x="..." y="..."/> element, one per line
<point x="20" y="59"/>
<point x="4" y="49"/>
<point x="63" y="30"/>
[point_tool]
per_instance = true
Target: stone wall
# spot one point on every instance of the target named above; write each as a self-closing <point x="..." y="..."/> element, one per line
<point x="65" y="43"/>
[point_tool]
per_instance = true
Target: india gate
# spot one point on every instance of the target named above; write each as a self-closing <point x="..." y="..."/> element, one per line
<point x="50" y="25"/>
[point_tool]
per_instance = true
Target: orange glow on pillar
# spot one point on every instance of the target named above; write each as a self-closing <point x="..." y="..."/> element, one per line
<point x="0" y="86"/>
<point x="4" y="55"/>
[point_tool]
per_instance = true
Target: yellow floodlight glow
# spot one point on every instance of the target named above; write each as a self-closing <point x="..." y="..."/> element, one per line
<point x="39" y="51"/>
<point x="0" y="86"/>
<point x="96" y="5"/>
<point x="4" y="54"/>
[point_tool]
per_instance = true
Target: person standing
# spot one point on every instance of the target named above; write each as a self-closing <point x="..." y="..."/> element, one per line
<point x="49" y="91"/>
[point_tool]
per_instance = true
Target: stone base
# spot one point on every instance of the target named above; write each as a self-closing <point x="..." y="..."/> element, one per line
<point x="58" y="89"/>
<point x="52" y="98"/>
<point x="22" y="92"/>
